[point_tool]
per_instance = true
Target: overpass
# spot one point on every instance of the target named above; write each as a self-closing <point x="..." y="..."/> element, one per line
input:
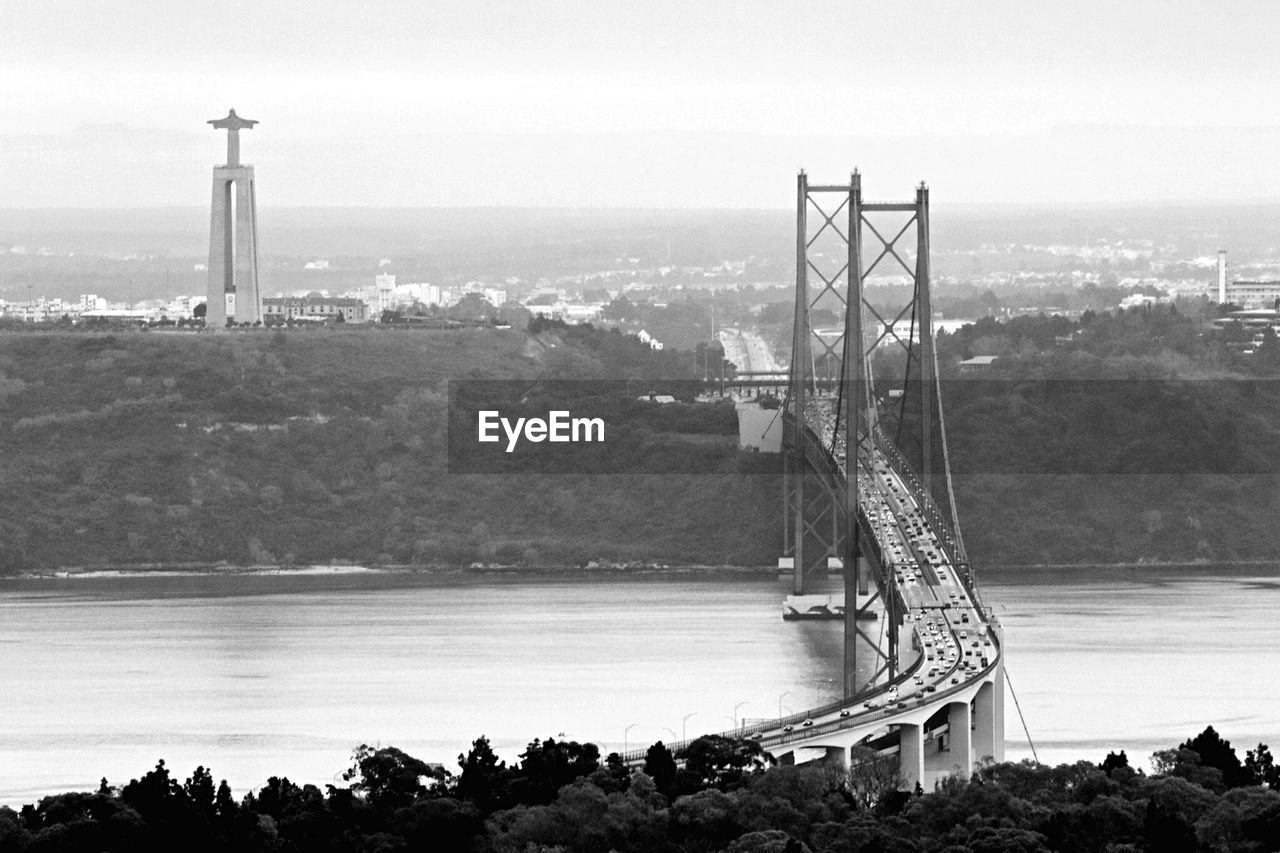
<point x="923" y="670"/>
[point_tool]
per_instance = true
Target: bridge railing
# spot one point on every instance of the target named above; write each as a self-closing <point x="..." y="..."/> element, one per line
<point x="801" y="732"/>
<point x="837" y="725"/>
<point x="790" y="720"/>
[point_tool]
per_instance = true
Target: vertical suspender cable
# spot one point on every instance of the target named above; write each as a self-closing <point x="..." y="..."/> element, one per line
<point x="946" y="464"/>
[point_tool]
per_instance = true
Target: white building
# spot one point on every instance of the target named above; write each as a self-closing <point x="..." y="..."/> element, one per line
<point x="384" y="287"/>
<point x="1137" y="300"/>
<point x="407" y="294"/>
<point x="646" y="338"/>
<point x="580" y="313"/>
<point x="1254" y="293"/>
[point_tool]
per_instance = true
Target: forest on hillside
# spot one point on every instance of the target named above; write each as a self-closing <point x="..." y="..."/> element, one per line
<point x="1116" y="437"/>
<point x="1131" y="436"/>
<point x="322" y="445"/>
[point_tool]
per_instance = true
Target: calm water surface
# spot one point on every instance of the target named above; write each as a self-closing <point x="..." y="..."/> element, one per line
<point x="259" y="675"/>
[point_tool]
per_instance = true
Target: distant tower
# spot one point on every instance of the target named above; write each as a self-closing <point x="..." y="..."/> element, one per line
<point x="233" y="235"/>
<point x="1222" y="276"/>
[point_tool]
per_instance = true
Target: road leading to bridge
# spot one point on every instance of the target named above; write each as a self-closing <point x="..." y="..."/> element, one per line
<point x="749" y="352"/>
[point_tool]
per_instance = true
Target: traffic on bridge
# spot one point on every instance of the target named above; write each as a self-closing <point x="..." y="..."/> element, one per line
<point x="935" y="694"/>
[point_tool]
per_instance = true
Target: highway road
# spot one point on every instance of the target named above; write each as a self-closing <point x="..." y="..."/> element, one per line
<point x="748" y="351"/>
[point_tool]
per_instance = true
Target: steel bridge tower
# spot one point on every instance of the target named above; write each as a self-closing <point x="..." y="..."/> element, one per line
<point x="863" y="373"/>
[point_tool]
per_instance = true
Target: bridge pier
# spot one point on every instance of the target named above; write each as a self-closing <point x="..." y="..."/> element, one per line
<point x="998" y="723"/>
<point x="988" y="719"/>
<point x="959" y="736"/>
<point x="911" y="755"/>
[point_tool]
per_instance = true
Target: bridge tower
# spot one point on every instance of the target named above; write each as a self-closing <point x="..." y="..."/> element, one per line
<point x="233" y="235"/>
<point x="863" y="368"/>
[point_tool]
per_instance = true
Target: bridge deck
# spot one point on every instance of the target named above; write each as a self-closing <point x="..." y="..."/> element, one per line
<point x="955" y="642"/>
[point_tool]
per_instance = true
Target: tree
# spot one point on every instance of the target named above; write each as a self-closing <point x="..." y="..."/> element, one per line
<point x="547" y="766"/>
<point x="481" y="780"/>
<point x="766" y="841"/>
<point x="661" y="766"/>
<point x="1216" y="752"/>
<point x="224" y="804"/>
<point x="472" y="306"/>
<point x="199" y="790"/>
<point x="391" y="779"/>
<point x="620" y="310"/>
<point x="872" y="776"/>
<point x="1167" y="831"/>
<point x="1113" y="762"/>
<point x="721" y="762"/>
<point x="156" y="795"/>
<point x="1260" y="768"/>
<point x="1186" y="764"/>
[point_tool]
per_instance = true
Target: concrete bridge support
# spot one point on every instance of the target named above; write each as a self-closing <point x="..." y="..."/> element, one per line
<point x="988" y="719"/>
<point x="911" y="755"/>
<point x="959" y="735"/>
<point x="998" y="747"/>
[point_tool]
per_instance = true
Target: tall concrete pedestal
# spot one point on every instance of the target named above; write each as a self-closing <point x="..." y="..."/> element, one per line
<point x="233" y="236"/>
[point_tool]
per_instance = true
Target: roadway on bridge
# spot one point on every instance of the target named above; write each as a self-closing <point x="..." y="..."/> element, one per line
<point x="950" y="642"/>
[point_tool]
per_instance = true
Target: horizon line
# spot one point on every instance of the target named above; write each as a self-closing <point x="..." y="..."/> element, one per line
<point x="934" y="203"/>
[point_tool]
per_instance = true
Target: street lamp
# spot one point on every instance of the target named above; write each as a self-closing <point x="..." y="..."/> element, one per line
<point x="673" y="732"/>
<point x="684" y="731"/>
<point x="625" y="732"/>
<point x="780" y="698"/>
<point x="735" y="712"/>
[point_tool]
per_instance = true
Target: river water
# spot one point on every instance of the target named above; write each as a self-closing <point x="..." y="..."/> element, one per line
<point x="256" y="675"/>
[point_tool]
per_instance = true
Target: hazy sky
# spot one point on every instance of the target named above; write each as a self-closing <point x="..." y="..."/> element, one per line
<point x="653" y="103"/>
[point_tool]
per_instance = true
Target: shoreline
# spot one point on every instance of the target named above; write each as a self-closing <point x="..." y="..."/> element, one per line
<point x="194" y="569"/>
<point x="1038" y="570"/>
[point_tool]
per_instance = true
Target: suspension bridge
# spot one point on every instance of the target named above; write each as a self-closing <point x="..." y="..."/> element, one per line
<point x="867" y="494"/>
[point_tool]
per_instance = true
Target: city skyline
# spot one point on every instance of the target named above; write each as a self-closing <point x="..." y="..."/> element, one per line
<point x="661" y="105"/>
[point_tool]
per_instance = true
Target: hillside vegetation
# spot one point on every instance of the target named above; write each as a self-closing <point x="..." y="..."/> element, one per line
<point x="329" y="445"/>
<point x="1138" y="436"/>
<point x="1115" y="438"/>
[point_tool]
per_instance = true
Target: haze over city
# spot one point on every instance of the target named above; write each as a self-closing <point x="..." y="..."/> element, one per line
<point x="663" y="104"/>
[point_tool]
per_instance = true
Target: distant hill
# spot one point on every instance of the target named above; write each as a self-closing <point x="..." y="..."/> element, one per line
<point x="313" y="446"/>
<point x="1134" y="436"/>
<point x="1118" y="438"/>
